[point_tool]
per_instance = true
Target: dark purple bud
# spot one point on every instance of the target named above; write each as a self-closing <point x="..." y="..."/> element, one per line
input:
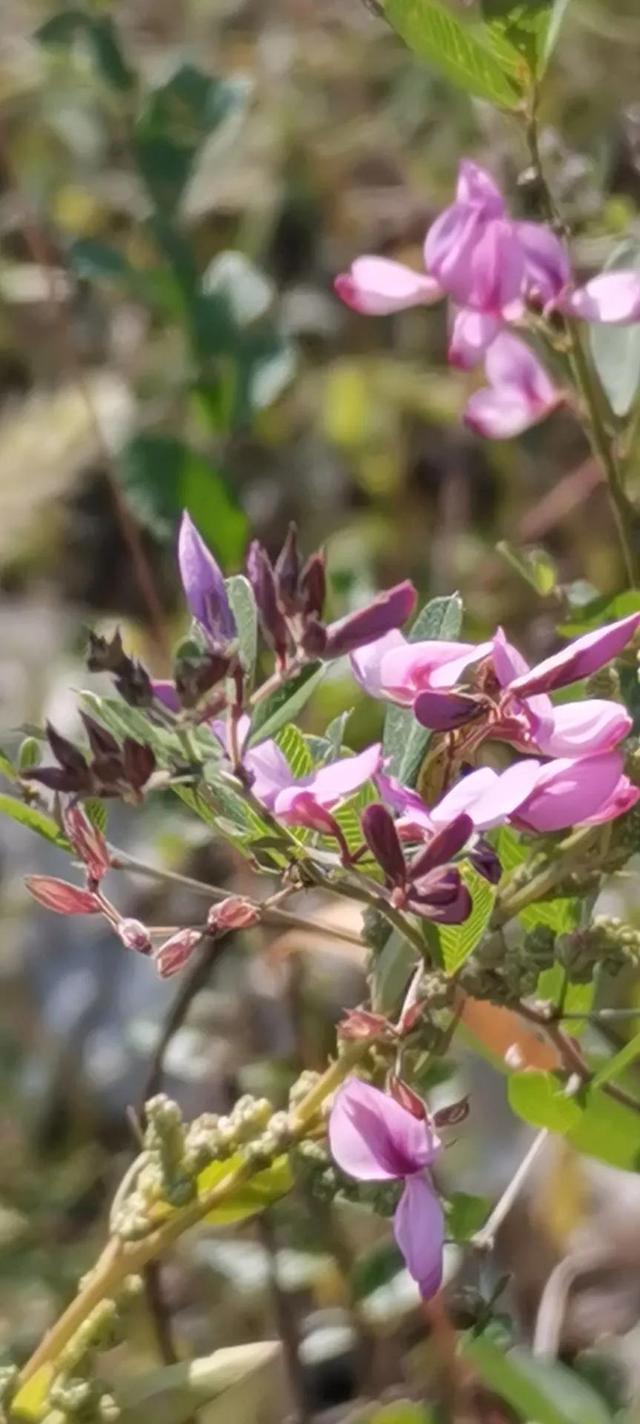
<point x="442" y="846"/>
<point x="314" y="638"/>
<point x="56" y="779"/>
<point x="441" y="896"/>
<point x="287" y="573"/>
<point x="204" y="584"/>
<point x="196" y="675"/>
<point x="105" y="654"/>
<point x="313" y="585"/>
<point x="131" y="678"/>
<point x="381" y="836"/>
<point x="134" y="685"/>
<point x="138" y="763"/>
<point x="70" y="758"/>
<point x="262" y="580"/>
<point x="444" y="711"/>
<point x="108" y="771"/>
<point x="101" y="742"/>
<point x="484" y="859"/>
<point x="389" y="610"/>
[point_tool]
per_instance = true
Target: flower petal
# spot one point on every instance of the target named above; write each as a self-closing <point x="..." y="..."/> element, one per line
<point x="471" y="334"/>
<point x="366" y="663"/>
<point x="488" y="797"/>
<point x="477" y="187"/>
<point x="377" y="286"/>
<point x="418" y="1227"/>
<point x="570" y="791"/>
<point x="332" y="783"/>
<point x="374" y="1139"/>
<point x="583" y="728"/>
<point x="204" y="584"/>
<point x="623" y="797"/>
<point x="547" y="265"/>
<point x="579" y="659"/>
<point x="271" y="771"/>
<point x="612" y="297"/>
<point x="369" y="624"/>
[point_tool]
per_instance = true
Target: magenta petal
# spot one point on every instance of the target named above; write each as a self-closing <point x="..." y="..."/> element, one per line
<point x="624" y="796"/>
<point x="471" y="334"/>
<point x="579" y="659"/>
<point x="510" y="364"/>
<point x="449" y="248"/>
<point x="418" y="1227"/>
<point x="332" y="783"/>
<point x="165" y="692"/>
<point x="406" y="802"/>
<point x="499" y="415"/>
<point x="477" y="187"/>
<point x="508" y="662"/>
<point x="547" y="266"/>
<point x="271" y="772"/>
<point x="613" y="297"/>
<point x="413" y="667"/>
<point x="583" y="728"/>
<point x="496" y="271"/>
<point x="377" y="286"/>
<point x="374" y="1139"/>
<point x="366" y="663"/>
<point x="569" y="791"/>
<point x="488" y="797"/>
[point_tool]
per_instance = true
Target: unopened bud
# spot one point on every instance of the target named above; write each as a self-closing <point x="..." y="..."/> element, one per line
<point x="405" y="1096"/>
<point x="452" y="1115"/>
<point x="262" y="580"/>
<point x="361" y="1024"/>
<point x="287" y="573"/>
<point x="233" y="914"/>
<point x="172" y="956"/>
<point x="87" y="841"/>
<point x="62" y="897"/>
<point x="484" y="859"/>
<point x="378" y="829"/>
<point x="313" y="585"/>
<point x="134" y="935"/>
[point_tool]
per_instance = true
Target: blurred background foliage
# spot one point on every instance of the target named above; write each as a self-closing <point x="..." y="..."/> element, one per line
<point x="180" y="183"/>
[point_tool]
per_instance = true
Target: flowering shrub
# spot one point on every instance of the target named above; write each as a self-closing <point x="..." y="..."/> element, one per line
<point x="475" y="835"/>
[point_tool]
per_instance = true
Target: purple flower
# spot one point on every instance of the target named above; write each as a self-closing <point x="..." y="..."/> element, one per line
<point x="374" y="1139"/>
<point x="519" y="393"/>
<point x="304" y="801"/>
<point x="204" y="585"/>
<point x="542" y="797"/>
<point x="427" y="885"/>
<point x="367" y="625"/>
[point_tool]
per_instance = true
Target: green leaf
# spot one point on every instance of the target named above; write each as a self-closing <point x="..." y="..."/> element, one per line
<point x="29" y="753"/>
<point x="558" y="12"/>
<point x="34" y="820"/>
<point x="464" y="1215"/>
<point x="243" y="607"/>
<point x="101" y="36"/>
<point x="535" y="566"/>
<point x="601" y="610"/>
<point x="162" y="476"/>
<point x="404" y="740"/>
<point x="538" y="1390"/>
<point x="348" y="818"/>
<point x="539" y="1099"/>
<point x="97" y="813"/>
<point x="253" y="1196"/>
<point x="175" y="120"/>
<point x="619" y="1063"/>
<point x="438" y="37"/>
<point x="575" y="998"/>
<point x="457" y="942"/>
<point x="394" y="961"/>
<point x="286" y="703"/>
<point x="7" y="768"/>
<point x="173" y="1394"/>
<point x="523" y="25"/>
<point x="402" y="1411"/>
<point x="292" y="743"/>
<point x="616" y="349"/>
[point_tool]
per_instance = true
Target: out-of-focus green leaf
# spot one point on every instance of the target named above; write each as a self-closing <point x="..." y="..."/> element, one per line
<point x="243" y="607"/>
<point x="97" y="812"/>
<point x="464" y="1215"/>
<point x="253" y="1196"/>
<point x="34" y="820"/>
<point x="535" y="566"/>
<point x="174" y="1393"/>
<point x="29" y="753"/>
<point x="598" y="611"/>
<point x="457" y="942"/>
<point x="286" y="703"/>
<point x="524" y="26"/>
<point x="619" y="1063"/>
<point x="404" y="740"/>
<point x="616" y="349"/>
<point x="162" y="476"/>
<point x="101" y="36"/>
<point x="245" y="288"/>
<point x="540" y="1390"/>
<point x="575" y="998"/>
<point x="559" y="915"/>
<point x="174" y="122"/>
<point x="7" y="768"/>
<point x="539" y="1098"/>
<point x="438" y="37"/>
<point x="393" y="962"/>
<point x="402" y="1411"/>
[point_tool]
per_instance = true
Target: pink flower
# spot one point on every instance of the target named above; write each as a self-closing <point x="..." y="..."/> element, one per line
<point x="398" y="670"/>
<point x="519" y="394"/>
<point x="569" y="792"/>
<point x="377" y="286"/>
<point x="305" y="801"/>
<point x="374" y="1139"/>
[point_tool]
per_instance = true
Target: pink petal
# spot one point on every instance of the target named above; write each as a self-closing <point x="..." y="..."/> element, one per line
<point x="449" y="247"/>
<point x="374" y="1139"/>
<point x="298" y="807"/>
<point x="622" y="799"/>
<point x="418" y="1227"/>
<point x="472" y="332"/>
<point x="271" y="771"/>
<point x="613" y="297"/>
<point x="477" y="187"/>
<point x="377" y="286"/>
<point x="449" y="673"/>
<point x="366" y="663"/>
<point x="406" y="802"/>
<point x="508" y="662"/>
<point x="547" y="266"/>
<point x="580" y="658"/>
<point x="488" y="797"/>
<point x="583" y="728"/>
<point x="410" y="669"/>
<point x="500" y="415"/>
<point x="165" y="692"/>
<point x="569" y="792"/>
<point x="511" y="364"/>
<point x="332" y="783"/>
<point x="496" y="271"/>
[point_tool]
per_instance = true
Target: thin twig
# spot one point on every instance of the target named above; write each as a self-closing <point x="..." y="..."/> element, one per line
<point x="484" y="1239"/>
<point x="573" y="1059"/>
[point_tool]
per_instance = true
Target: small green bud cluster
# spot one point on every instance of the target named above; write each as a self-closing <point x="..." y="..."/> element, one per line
<point x="608" y="941"/>
<point x="76" y="1391"/>
<point x="322" y="1179"/>
<point x="503" y="973"/>
<point x="304" y="1084"/>
<point x="175" y="1154"/>
<point x="604" y="683"/>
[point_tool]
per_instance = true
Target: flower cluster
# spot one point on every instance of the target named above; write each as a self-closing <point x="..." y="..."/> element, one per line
<point x="497" y="273"/>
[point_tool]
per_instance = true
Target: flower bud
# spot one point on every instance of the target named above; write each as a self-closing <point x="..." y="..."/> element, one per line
<point x="262" y="580"/>
<point x="233" y="914"/>
<point x="442" y="846"/>
<point x="361" y="1024"/>
<point x="138" y="761"/>
<point x="172" y="956"/>
<point x="445" y="711"/>
<point x="484" y="859"/>
<point x="405" y="1096"/>
<point x="62" y="897"/>
<point x="313" y="585"/>
<point x="287" y="573"/>
<point x="134" y="935"/>
<point x="87" y="841"/>
<point x="452" y="1115"/>
<point x="389" y="610"/>
<point x="379" y="831"/>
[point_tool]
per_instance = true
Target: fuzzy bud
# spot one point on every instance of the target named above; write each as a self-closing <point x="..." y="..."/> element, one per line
<point x="62" y="897"/>
<point x="134" y="935"/>
<point x="405" y="1096"/>
<point x="172" y="956"/>
<point x="87" y="841"/>
<point x="313" y="585"/>
<point x="233" y="913"/>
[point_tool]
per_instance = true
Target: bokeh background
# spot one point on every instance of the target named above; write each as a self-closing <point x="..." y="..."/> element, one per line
<point x="172" y="215"/>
